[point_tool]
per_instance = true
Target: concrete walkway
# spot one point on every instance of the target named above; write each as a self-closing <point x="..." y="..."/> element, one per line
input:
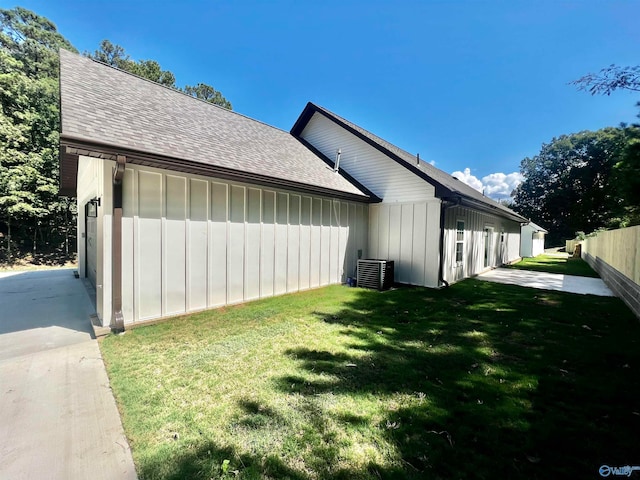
<point x="548" y="281"/>
<point x="59" y="418"/>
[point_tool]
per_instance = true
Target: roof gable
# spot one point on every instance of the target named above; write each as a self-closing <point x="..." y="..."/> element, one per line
<point x="536" y="228"/>
<point x="105" y="107"/>
<point x="445" y="184"/>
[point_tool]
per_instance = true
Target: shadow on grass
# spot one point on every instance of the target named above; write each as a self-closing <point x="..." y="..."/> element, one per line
<point x="210" y="460"/>
<point x="492" y="381"/>
<point x="476" y="381"/>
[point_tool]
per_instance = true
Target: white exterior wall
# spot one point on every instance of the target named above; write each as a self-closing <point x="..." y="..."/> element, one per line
<point x="504" y="245"/>
<point x="538" y="244"/>
<point x="94" y="181"/>
<point x="526" y="241"/>
<point x="408" y="234"/>
<point x="380" y="174"/>
<point x="191" y="243"/>
<point x="531" y="242"/>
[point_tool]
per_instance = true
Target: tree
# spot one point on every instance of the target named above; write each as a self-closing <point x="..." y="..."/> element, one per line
<point x="29" y="121"/>
<point x="208" y="94"/>
<point x="626" y="172"/>
<point x="116" y="56"/>
<point x="609" y="79"/>
<point x="626" y="176"/>
<point x="569" y="185"/>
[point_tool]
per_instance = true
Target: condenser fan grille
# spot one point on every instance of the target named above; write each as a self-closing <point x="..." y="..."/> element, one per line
<point x="377" y="274"/>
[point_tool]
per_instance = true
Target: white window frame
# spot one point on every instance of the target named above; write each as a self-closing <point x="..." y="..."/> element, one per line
<point x="459" y="242"/>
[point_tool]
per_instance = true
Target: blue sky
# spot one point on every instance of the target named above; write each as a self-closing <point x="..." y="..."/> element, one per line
<point x="475" y="85"/>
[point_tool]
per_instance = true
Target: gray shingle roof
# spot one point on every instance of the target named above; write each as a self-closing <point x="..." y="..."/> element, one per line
<point x="450" y="184"/>
<point x="102" y="104"/>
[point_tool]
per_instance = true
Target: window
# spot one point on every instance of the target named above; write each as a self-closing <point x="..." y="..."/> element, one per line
<point x="459" y="242"/>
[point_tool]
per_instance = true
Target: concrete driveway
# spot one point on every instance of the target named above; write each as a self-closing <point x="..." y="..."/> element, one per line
<point x="59" y="418"/>
<point x="548" y="281"/>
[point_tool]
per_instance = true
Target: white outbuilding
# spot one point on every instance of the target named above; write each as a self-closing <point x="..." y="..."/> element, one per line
<point x="532" y="240"/>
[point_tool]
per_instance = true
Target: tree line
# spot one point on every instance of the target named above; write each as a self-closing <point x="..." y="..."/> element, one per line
<point x="33" y="218"/>
<point x="586" y="181"/>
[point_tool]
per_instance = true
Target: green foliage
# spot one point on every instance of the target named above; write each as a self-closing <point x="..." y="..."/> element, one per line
<point x="29" y="123"/>
<point x="116" y="56"/>
<point x="626" y="171"/>
<point x="626" y="175"/>
<point x="208" y="94"/>
<point x="609" y="79"/>
<point x="575" y="183"/>
<point x="32" y="215"/>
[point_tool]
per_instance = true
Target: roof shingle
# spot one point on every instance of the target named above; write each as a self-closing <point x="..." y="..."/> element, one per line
<point x="102" y="104"/>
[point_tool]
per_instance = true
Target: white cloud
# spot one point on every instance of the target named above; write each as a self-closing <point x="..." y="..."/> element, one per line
<point x="499" y="186"/>
<point x="495" y="185"/>
<point x="469" y="179"/>
<point x="433" y="162"/>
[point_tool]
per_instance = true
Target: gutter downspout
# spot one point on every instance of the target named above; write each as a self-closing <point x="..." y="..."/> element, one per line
<point x="444" y="205"/>
<point x="117" y="318"/>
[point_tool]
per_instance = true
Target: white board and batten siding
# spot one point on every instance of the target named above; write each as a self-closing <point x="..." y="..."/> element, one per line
<point x="192" y="243"/>
<point x="404" y="227"/>
<point x="383" y="176"/>
<point x="488" y="242"/>
<point x="537" y="244"/>
<point x="408" y="234"/>
<point x="93" y="175"/>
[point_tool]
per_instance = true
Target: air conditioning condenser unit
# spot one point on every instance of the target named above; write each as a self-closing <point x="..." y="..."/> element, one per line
<point x="376" y="274"/>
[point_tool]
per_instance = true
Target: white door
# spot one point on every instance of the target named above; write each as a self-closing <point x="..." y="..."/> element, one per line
<point x="488" y="250"/>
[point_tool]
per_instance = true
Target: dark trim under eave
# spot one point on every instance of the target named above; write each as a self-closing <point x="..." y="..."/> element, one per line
<point x="117" y="317"/>
<point x="86" y="147"/>
<point x="483" y="207"/>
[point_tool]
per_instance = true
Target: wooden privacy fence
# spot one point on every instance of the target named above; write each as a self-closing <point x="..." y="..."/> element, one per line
<point x="571" y="246"/>
<point x="615" y="255"/>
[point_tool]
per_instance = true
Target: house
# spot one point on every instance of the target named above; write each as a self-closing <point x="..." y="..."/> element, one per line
<point x="185" y="206"/>
<point x="437" y="229"/>
<point x="532" y="240"/>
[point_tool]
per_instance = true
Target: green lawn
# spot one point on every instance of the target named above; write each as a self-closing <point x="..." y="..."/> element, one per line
<point x="479" y="380"/>
<point x="555" y="264"/>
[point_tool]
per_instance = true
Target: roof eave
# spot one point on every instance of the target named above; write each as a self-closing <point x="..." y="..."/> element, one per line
<point x="71" y="146"/>
<point x="487" y="208"/>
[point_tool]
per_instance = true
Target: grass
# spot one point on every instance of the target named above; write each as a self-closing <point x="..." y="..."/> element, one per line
<point x="556" y="264"/>
<point x="479" y="380"/>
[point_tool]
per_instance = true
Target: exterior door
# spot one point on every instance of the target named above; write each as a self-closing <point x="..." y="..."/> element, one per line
<point x="91" y="243"/>
<point x="488" y="242"/>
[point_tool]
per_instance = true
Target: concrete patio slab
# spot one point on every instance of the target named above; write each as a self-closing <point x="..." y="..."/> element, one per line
<point x="59" y="418"/>
<point x="548" y="281"/>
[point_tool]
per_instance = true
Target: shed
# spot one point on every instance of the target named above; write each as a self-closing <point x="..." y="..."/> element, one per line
<point x="532" y="240"/>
